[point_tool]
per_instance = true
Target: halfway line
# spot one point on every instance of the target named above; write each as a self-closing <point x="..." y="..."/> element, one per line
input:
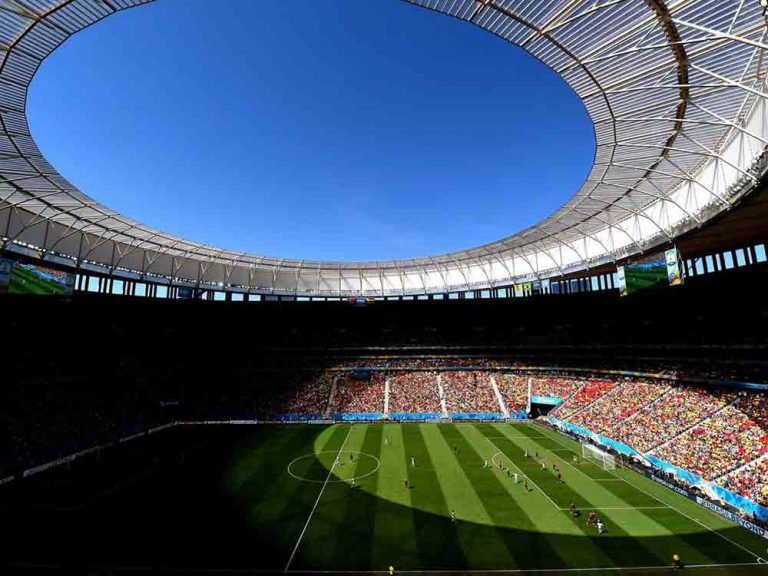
<point x="306" y="524"/>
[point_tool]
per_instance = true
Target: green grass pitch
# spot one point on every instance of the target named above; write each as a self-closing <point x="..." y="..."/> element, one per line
<point x="274" y="498"/>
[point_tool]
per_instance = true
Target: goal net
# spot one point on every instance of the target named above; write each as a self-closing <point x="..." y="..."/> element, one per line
<point x="602" y="459"/>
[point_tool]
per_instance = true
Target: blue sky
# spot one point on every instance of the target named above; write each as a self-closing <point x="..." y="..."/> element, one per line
<point x="333" y="129"/>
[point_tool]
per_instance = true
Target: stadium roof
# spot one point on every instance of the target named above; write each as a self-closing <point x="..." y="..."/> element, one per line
<point x="676" y="92"/>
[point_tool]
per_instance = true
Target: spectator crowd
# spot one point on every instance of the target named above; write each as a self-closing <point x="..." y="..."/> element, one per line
<point x="514" y="387"/>
<point x="750" y="482"/>
<point x="414" y="392"/>
<point x="729" y="439"/>
<point x="469" y="392"/>
<point x="355" y="396"/>
<point x="609" y="411"/>
<point x="681" y="408"/>
<point x="590" y="392"/>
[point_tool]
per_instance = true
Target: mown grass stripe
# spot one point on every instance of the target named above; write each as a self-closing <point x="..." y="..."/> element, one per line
<point x="681" y="536"/>
<point x="394" y="540"/>
<point x="477" y="534"/>
<point x="354" y="526"/>
<point x="316" y="548"/>
<point x="436" y="536"/>
<point x="275" y="504"/>
<point x="499" y="496"/>
<point x="621" y="546"/>
<point x="701" y="539"/>
<point x="248" y="462"/>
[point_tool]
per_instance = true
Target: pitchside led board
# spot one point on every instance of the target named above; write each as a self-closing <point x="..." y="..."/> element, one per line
<point x="19" y="278"/>
<point x="655" y="271"/>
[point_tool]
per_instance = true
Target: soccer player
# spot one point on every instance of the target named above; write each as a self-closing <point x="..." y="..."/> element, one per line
<point x="453" y="515"/>
<point x="413" y="462"/>
<point x="407" y="484"/>
<point x="516" y="480"/>
<point x="543" y="465"/>
<point x="592" y="518"/>
<point x="559" y="477"/>
<point x="572" y="508"/>
<point x="525" y="454"/>
<point x="391" y="571"/>
<point x="525" y="485"/>
<point x="600" y="526"/>
<point x="336" y="463"/>
<point x="351" y="457"/>
<point x="485" y="464"/>
<point x="676" y="562"/>
<point x="352" y="482"/>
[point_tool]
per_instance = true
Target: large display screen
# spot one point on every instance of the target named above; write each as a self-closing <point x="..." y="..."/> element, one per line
<point x="33" y="279"/>
<point x="648" y="273"/>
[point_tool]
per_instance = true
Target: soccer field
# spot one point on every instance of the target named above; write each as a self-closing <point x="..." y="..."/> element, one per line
<point x="274" y="498"/>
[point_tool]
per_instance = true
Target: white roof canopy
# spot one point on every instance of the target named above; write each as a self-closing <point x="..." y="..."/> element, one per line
<point x="676" y="92"/>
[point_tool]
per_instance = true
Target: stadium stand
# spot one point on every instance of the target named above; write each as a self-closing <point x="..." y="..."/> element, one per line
<point x="730" y="438"/>
<point x="612" y="409"/>
<point x="301" y="393"/>
<point x="750" y="481"/>
<point x="661" y="421"/>
<point x="469" y="392"/>
<point x="414" y="393"/>
<point x="590" y="392"/>
<point x="514" y="387"/>
<point x="359" y="396"/>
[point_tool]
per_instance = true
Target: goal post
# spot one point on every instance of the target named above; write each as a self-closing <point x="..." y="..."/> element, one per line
<point x="601" y="458"/>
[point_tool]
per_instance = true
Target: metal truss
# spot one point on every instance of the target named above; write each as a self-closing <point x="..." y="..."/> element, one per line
<point x="675" y="89"/>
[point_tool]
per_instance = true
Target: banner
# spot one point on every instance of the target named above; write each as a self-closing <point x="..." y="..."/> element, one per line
<point x="5" y="274"/>
<point x="548" y="400"/>
<point x="621" y="275"/>
<point x="673" y="267"/>
<point x="528" y="405"/>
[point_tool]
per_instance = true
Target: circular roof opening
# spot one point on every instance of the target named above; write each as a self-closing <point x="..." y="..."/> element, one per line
<point x="342" y="131"/>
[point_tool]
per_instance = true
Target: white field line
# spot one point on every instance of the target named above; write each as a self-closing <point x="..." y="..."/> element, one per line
<point x="505" y="436"/>
<point x="624" y="508"/>
<point x="747" y="550"/>
<point x="529" y="570"/>
<point x="521" y="472"/>
<point x="608" y="479"/>
<point x="317" y="501"/>
<point x="462" y="571"/>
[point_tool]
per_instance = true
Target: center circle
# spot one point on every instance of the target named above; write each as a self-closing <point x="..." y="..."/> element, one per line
<point x="343" y="466"/>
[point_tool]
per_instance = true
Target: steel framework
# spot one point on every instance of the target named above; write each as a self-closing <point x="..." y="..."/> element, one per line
<point x="676" y="92"/>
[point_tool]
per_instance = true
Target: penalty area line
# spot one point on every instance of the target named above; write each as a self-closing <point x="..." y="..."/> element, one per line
<point x="317" y="501"/>
<point x="759" y="560"/>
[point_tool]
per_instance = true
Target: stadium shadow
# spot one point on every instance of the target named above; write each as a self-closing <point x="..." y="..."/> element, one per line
<point x="444" y="544"/>
<point x="155" y="508"/>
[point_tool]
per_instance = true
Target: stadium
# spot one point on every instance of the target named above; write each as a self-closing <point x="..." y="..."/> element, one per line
<point x="587" y="395"/>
